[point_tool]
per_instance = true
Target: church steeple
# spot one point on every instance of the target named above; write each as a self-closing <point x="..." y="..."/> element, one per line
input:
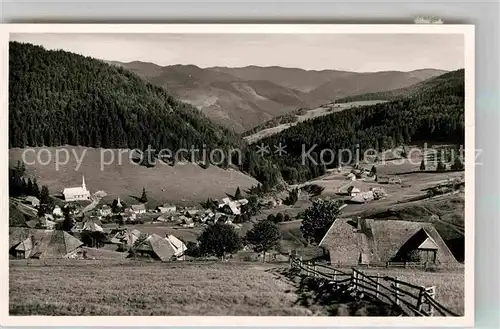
<point x="83" y="183"/>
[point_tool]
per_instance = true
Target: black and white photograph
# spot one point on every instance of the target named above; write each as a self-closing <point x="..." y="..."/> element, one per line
<point x="285" y="171"/>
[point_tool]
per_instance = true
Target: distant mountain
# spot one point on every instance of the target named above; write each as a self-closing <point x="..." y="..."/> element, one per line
<point x="242" y="98"/>
<point x="294" y="78"/>
<point x="237" y="104"/>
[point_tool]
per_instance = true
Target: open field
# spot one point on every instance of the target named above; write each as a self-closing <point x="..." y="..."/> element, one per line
<point x="150" y="289"/>
<point x="413" y="181"/>
<point x="310" y="114"/>
<point x="182" y="183"/>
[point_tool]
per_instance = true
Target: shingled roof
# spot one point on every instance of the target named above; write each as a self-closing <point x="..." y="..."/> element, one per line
<point x="157" y="247"/>
<point x="380" y="241"/>
<point x="42" y="243"/>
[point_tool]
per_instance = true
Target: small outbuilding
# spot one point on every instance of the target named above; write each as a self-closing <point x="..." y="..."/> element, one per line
<point x="353" y="191"/>
<point x="34" y="201"/>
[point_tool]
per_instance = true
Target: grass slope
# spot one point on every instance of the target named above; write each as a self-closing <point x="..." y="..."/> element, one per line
<point x="182" y="182"/>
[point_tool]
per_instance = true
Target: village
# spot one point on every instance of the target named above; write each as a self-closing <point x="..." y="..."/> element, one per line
<point x="165" y="231"/>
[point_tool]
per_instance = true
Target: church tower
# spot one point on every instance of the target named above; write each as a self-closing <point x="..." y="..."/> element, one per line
<point x="83" y="183"/>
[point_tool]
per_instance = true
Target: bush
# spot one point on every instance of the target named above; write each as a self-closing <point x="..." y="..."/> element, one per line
<point x="279" y="218"/>
<point x="287" y="218"/>
<point x="271" y="218"/>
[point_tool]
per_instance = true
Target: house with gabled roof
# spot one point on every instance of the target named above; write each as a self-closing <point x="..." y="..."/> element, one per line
<point x="156" y="247"/>
<point x="376" y="242"/>
<point x="42" y="244"/>
<point x="138" y="208"/>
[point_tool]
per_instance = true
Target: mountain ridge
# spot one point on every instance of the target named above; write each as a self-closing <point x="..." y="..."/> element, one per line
<point x="242" y="98"/>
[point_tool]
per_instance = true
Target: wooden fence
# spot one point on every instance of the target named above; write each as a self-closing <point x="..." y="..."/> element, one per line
<point x="410" y="299"/>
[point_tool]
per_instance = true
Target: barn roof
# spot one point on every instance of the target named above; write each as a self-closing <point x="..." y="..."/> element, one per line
<point x="159" y="246"/>
<point x="381" y="240"/>
<point x="179" y="246"/>
<point x="353" y="189"/>
<point x="128" y="237"/>
<point x="43" y="243"/>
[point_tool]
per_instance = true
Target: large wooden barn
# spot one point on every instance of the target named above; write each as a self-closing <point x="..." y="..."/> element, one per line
<point x="377" y="242"/>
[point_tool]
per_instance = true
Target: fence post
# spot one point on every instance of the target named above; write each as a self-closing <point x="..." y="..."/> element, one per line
<point x="315" y="275"/>
<point x="335" y="276"/>
<point x="355" y="279"/>
<point x="431" y="292"/>
<point x="378" y="287"/>
<point x="420" y="299"/>
<point x="361" y="274"/>
<point x="396" y="285"/>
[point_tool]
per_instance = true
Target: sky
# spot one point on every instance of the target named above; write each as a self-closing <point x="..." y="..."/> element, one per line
<point x="350" y="52"/>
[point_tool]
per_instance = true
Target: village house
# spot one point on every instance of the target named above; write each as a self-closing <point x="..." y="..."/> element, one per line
<point x="363" y="197"/>
<point x="47" y="223"/>
<point x="138" y="208"/>
<point x="156" y="247"/>
<point x="57" y="212"/>
<point x="77" y="193"/>
<point x="125" y="238"/>
<point x="241" y="202"/>
<point x="42" y="244"/>
<point x="89" y="224"/>
<point x="178" y="246"/>
<point x="105" y="211"/>
<point x="167" y="209"/>
<point x="353" y="191"/>
<point x="351" y="176"/>
<point x="128" y="214"/>
<point x="377" y="242"/>
<point x="192" y="213"/>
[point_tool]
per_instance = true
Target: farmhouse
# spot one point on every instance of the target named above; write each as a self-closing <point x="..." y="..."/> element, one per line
<point x="351" y="176"/>
<point x="47" y="223"/>
<point x="105" y="211"/>
<point x="128" y="214"/>
<point x="42" y="244"/>
<point x="57" y="212"/>
<point x="138" y="208"/>
<point x="363" y="197"/>
<point x="88" y="225"/>
<point x="376" y="242"/>
<point x="353" y="191"/>
<point x="77" y="193"/>
<point x="178" y="246"/>
<point x="34" y="201"/>
<point x="126" y="237"/>
<point x="167" y="209"/>
<point x="156" y="247"/>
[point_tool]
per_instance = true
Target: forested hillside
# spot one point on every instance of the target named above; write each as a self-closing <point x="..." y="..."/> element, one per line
<point x="434" y="112"/>
<point x="245" y="97"/>
<point x="58" y="98"/>
<point x="443" y="82"/>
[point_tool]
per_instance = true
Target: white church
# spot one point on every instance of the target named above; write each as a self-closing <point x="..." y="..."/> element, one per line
<point x="77" y="193"/>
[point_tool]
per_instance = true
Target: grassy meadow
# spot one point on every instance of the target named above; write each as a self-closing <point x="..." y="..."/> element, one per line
<point x="141" y="288"/>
